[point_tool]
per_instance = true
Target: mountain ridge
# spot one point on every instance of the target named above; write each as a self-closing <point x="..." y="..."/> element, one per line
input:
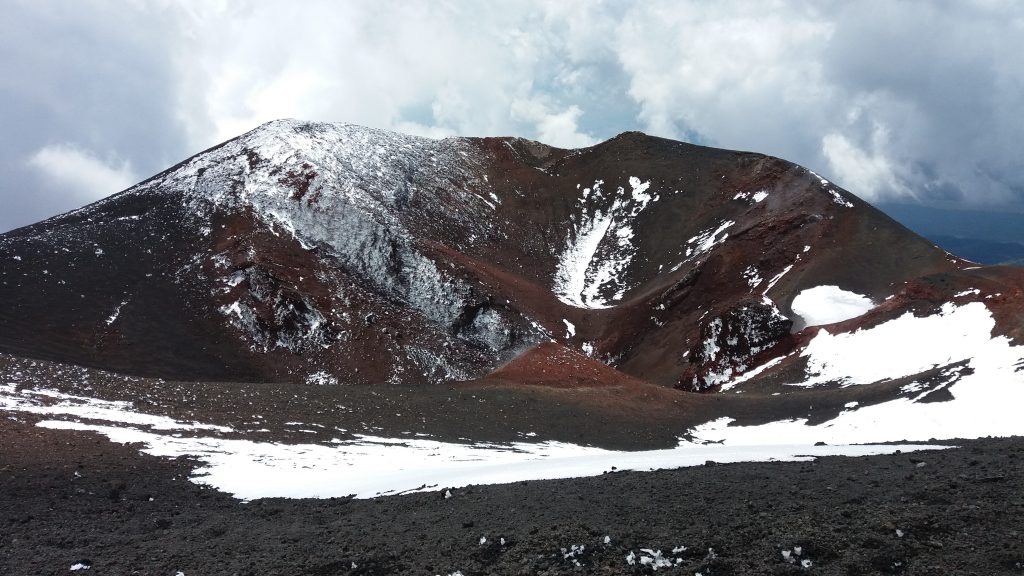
<point x="333" y="253"/>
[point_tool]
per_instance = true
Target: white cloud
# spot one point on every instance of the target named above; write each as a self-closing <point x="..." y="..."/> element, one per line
<point x="80" y="175"/>
<point x="810" y="82"/>
<point x="455" y="66"/>
<point x="737" y="79"/>
<point x="870" y="173"/>
<point x="554" y="128"/>
<point x="806" y="81"/>
<point x="434" y="68"/>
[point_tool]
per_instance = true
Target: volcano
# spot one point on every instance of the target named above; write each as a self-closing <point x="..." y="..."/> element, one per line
<point x="332" y="253"/>
<point x="314" y="314"/>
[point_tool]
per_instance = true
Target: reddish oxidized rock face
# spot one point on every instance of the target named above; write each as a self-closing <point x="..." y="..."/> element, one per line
<point x="337" y="253"/>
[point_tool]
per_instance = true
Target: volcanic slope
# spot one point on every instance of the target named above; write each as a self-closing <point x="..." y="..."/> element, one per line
<point x="332" y="253"/>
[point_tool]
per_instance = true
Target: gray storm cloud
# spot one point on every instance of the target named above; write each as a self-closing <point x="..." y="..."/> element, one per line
<point x="908" y="100"/>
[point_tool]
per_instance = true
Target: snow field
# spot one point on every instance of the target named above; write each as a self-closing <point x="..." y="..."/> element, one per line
<point x="371" y="466"/>
<point x="909" y="345"/>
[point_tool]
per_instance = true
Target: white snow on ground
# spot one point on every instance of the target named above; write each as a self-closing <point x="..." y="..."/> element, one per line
<point x="838" y="199"/>
<point x="90" y="409"/>
<point x="986" y="401"/>
<point x="829" y="304"/>
<point x="756" y="196"/>
<point x="370" y="466"/>
<point x="752" y="276"/>
<point x="707" y="239"/>
<point x="987" y="383"/>
<point x="824" y="182"/>
<point x="600" y="247"/>
<point x="751" y="374"/>
<point x="570" y="329"/>
<point x="775" y="279"/>
<point x="571" y="275"/>
<point x="836" y="196"/>
<point x="321" y="378"/>
<point x="639" y="190"/>
<point x="117" y="312"/>
<point x="909" y="345"/>
<point x="982" y="406"/>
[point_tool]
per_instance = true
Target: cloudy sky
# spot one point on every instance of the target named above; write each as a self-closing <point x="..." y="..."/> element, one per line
<point x="895" y="101"/>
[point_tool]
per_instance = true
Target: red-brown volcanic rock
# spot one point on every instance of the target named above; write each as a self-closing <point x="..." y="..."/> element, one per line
<point x="333" y="253"/>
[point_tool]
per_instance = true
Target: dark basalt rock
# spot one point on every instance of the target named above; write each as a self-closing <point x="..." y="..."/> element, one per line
<point x="730" y="343"/>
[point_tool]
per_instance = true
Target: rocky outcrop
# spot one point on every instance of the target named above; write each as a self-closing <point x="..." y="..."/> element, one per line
<point x="730" y="344"/>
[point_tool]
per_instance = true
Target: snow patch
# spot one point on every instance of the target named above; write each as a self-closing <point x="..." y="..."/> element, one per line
<point x="707" y="239"/>
<point x="824" y="182"/>
<point x="599" y="248"/>
<point x="775" y="279"/>
<point x="829" y="304"/>
<point x="711" y="348"/>
<point x="910" y="345"/>
<point x="836" y="196"/>
<point x="755" y="196"/>
<point x="117" y="312"/>
<point x="321" y="378"/>
<point x="639" y="191"/>
<point x="653" y="559"/>
<point x="732" y="341"/>
<point x="31" y="401"/>
<point x="985" y="402"/>
<point x="369" y="466"/>
<point x="750" y="374"/>
<point x="838" y="199"/>
<point x="751" y="275"/>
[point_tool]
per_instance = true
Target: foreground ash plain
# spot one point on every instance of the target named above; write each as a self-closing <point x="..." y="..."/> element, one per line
<point x="74" y="498"/>
<point x="528" y="460"/>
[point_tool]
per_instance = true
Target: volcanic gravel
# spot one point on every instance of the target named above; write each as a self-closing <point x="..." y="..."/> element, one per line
<point x="74" y="499"/>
